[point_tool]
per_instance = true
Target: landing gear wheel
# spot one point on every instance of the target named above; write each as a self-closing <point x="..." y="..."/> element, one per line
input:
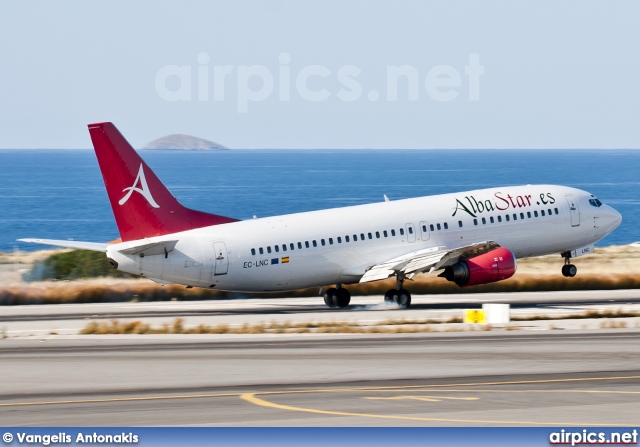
<point x="341" y="298"/>
<point x="388" y="296"/>
<point x="569" y="270"/>
<point x="572" y="270"/>
<point x="329" y="297"/>
<point x="402" y="297"/>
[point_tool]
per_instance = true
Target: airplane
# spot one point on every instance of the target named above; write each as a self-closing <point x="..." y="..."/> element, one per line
<point x="469" y="238"/>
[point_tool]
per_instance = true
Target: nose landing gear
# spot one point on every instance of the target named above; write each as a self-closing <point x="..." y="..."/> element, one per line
<point x="568" y="269"/>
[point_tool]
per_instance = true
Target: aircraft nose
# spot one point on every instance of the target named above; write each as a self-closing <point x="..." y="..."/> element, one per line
<point x="610" y="218"/>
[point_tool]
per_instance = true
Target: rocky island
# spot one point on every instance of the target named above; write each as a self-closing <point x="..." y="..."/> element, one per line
<point x="184" y="143"/>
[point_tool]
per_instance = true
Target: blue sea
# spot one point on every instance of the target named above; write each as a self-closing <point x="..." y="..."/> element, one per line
<point x="59" y="194"/>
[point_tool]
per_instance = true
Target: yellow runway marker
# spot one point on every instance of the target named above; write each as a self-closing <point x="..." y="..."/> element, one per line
<point x="433" y="388"/>
<point x="251" y="397"/>
<point x="254" y="399"/>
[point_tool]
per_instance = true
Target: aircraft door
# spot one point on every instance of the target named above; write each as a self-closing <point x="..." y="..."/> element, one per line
<point x="411" y="232"/>
<point x="574" y="210"/>
<point x="424" y="231"/>
<point x="221" y="261"/>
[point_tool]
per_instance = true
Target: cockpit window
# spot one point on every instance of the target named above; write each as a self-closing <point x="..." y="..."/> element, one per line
<point x="595" y="202"/>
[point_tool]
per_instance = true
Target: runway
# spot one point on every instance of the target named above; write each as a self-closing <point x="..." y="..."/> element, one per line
<point x="555" y="378"/>
<point x="557" y="372"/>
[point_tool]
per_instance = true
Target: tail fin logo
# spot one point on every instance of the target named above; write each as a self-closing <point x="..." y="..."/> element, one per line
<point x="142" y="189"/>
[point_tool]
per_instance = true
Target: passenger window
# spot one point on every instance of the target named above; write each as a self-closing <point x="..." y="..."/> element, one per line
<point x="385" y="234"/>
<point x="515" y="216"/>
<point x="315" y="244"/>
<point x="330" y="241"/>
<point x="268" y="249"/>
<point x="253" y="251"/>
<point x="277" y="249"/>
<point x="535" y="214"/>
<point x="507" y="217"/>
<point x="542" y="212"/>
<point x="393" y="232"/>
<point x="549" y="210"/>
<point x="284" y="247"/>
<point x="499" y="218"/>
<point x="484" y="221"/>
<point x="424" y="228"/>
<point x="377" y="235"/>
<point x="521" y="215"/>
<point x="460" y="223"/>
<point x="401" y="231"/>
<point x="446" y="226"/>
<point x="370" y="235"/>
<point x="529" y="214"/>
<point x="291" y="246"/>
<point x="322" y="242"/>
<point x="438" y="227"/>
<point x="475" y="221"/>
<point x="432" y="227"/>
<point x="261" y="251"/>
<point x="355" y="238"/>
<point x="339" y="240"/>
<point x="346" y="238"/>
<point x="556" y="210"/>
<point x="306" y="244"/>
<point x="300" y="245"/>
<point x="410" y="230"/>
<point x="491" y="219"/>
<point x="362" y="236"/>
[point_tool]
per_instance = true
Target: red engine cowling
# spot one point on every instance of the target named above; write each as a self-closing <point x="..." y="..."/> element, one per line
<point x="493" y="266"/>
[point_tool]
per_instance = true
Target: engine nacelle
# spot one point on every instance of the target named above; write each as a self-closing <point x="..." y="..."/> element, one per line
<point x="493" y="266"/>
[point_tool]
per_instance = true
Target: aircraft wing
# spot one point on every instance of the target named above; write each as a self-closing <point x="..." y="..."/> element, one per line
<point x="433" y="258"/>
<point x="93" y="246"/>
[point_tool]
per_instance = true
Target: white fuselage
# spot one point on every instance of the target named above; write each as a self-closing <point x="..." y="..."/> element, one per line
<point x="335" y="246"/>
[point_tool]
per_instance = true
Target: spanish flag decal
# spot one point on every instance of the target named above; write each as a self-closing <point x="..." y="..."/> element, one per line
<point x="285" y="259"/>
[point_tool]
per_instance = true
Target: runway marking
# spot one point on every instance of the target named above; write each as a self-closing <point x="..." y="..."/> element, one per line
<point x="429" y="388"/>
<point x="423" y="398"/>
<point x="252" y="398"/>
<point x="117" y="399"/>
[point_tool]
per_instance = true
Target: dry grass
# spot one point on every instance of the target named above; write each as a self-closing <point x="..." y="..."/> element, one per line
<point x="588" y="314"/>
<point x="612" y="324"/>
<point x="177" y="327"/>
<point x="27" y="257"/>
<point x="534" y="274"/>
<point x="334" y="327"/>
<point x="121" y="290"/>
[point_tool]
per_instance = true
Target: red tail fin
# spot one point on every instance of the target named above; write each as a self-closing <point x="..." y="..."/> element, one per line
<point x="142" y="205"/>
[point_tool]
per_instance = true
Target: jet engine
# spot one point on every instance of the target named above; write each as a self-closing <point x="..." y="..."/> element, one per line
<point x="496" y="265"/>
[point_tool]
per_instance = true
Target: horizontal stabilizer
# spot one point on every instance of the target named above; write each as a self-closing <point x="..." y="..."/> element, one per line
<point x="93" y="246"/>
<point x="153" y="248"/>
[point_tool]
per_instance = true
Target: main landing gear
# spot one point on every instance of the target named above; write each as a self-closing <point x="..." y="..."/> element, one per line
<point x="568" y="269"/>
<point x="337" y="297"/>
<point x="398" y="295"/>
